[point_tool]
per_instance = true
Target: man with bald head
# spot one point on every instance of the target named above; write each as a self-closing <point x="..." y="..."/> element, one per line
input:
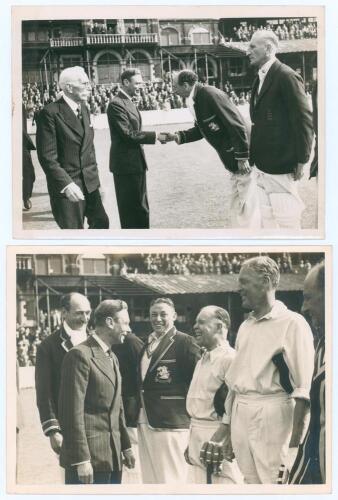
<point x="76" y="311"/>
<point x="281" y="135"/>
<point x="211" y="330"/>
<point x="65" y="147"/>
<point x="269" y="379"/>
<point x="309" y="467"/>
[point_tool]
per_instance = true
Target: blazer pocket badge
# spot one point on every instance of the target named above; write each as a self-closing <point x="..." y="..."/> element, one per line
<point x="213" y="126"/>
<point x="163" y="375"/>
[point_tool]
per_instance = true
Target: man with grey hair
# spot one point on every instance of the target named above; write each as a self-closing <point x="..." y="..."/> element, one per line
<point x="281" y="135"/>
<point x="65" y="147"/>
<point x="95" y="437"/>
<point x="211" y="330"/>
<point x="269" y="380"/>
<point x="219" y="122"/>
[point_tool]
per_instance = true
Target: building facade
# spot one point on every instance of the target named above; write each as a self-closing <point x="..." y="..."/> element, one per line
<point x="105" y="47"/>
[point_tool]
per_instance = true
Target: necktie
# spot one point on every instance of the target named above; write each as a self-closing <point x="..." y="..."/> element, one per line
<point x="79" y="114"/>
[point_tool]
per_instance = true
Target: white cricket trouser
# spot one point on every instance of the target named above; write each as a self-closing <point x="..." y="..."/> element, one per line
<point x="261" y="429"/>
<point x="280" y="203"/>
<point x="244" y="202"/>
<point x="132" y="476"/>
<point x="200" y="432"/>
<point x="162" y="455"/>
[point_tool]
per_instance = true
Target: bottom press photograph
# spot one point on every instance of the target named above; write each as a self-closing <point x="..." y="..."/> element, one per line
<point x="200" y="369"/>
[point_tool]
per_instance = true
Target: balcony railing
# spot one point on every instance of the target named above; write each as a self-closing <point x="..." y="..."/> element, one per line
<point x="114" y="39"/>
<point x="67" y="42"/>
<point x="24" y="263"/>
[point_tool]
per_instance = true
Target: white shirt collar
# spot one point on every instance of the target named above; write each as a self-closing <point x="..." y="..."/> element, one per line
<point x="265" y="68"/>
<point x="102" y="344"/>
<point x="71" y="332"/>
<point x="153" y="337"/>
<point x="214" y="353"/>
<point x="72" y="104"/>
<point x="277" y="310"/>
<point x="125" y="93"/>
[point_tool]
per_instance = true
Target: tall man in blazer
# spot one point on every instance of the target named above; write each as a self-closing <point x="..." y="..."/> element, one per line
<point x="50" y="353"/>
<point x="127" y="158"/>
<point x="282" y="133"/>
<point x="90" y="403"/>
<point x="218" y="121"/>
<point x="65" y="147"/>
<point x="166" y="367"/>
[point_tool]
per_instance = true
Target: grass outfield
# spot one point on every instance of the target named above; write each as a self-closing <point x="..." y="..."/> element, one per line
<point x="187" y="187"/>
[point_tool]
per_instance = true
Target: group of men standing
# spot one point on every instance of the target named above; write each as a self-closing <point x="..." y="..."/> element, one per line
<point x="263" y="170"/>
<point x="204" y="412"/>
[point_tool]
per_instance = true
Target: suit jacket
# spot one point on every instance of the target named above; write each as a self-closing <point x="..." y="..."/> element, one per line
<point x="27" y="143"/>
<point x="221" y="124"/>
<point x="49" y="358"/>
<point x="65" y="148"/>
<point x="125" y="124"/>
<point x="91" y="410"/>
<point x="165" y="386"/>
<point x="282" y="130"/>
<point x="128" y="355"/>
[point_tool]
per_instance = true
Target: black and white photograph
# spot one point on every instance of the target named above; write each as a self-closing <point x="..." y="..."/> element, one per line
<point x="172" y="120"/>
<point x="199" y="369"/>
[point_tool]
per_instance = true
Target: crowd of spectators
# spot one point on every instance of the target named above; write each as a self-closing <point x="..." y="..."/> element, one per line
<point x="289" y="30"/>
<point x="188" y="264"/>
<point x="153" y="96"/>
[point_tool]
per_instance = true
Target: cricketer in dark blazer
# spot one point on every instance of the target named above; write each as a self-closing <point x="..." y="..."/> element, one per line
<point x="91" y="413"/>
<point x="282" y="128"/>
<point x="166" y="383"/>
<point x="127" y="158"/>
<point x="65" y="148"/>
<point x="219" y="122"/>
<point x="281" y="135"/>
<point x="49" y="358"/>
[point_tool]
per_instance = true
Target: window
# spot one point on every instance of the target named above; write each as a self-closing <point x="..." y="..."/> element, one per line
<point x="42" y="264"/>
<point x="236" y="66"/>
<point x="55" y="264"/>
<point x="200" y="36"/>
<point x="74" y="60"/>
<point x="31" y="36"/>
<point x="169" y="36"/>
<point x="94" y="266"/>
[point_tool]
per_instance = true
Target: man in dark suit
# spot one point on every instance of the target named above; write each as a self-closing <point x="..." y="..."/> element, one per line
<point x="218" y="121"/>
<point x="127" y="159"/>
<point x="28" y="173"/>
<point x="281" y="135"/>
<point x="50" y="353"/>
<point x="90" y="403"/>
<point x="65" y="147"/>
<point x="165" y="371"/>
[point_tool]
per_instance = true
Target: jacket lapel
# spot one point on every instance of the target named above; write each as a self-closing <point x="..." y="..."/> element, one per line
<point x="130" y="106"/>
<point x="102" y="361"/>
<point x="162" y="348"/>
<point x="268" y="81"/>
<point x="66" y="343"/>
<point x="69" y="118"/>
<point x="254" y="95"/>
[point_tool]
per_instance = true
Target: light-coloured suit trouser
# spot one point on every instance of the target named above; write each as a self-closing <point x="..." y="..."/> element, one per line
<point x="280" y="204"/>
<point x="200" y="432"/>
<point x="260" y="433"/>
<point x="162" y="455"/>
<point x="244" y="202"/>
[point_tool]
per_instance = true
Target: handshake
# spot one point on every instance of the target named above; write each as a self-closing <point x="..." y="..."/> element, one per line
<point x="165" y="137"/>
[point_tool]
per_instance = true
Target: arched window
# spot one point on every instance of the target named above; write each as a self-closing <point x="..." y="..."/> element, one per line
<point x="108" y="69"/>
<point x="200" y="36"/>
<point x="141" y="62"/>
<point x="169" y="36"/>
